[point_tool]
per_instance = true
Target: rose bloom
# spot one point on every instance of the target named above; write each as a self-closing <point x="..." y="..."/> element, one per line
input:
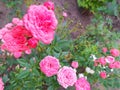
<point x="1" y="84"/>
<point x="103" y="74"/>
<point x="102" y="60"/>
<point x="117" y="64"/>
<point x="82" y="84"/>
<point x="110" y="59"/>
<point x="74" y="64"/>
<point x="15" y="40"/>
<point x="104" y="50"/>
<point x="66" y="76"/>
<point x="49" y="66"/>
<point x="42" y="22"/>
<point x="115" y="52"/>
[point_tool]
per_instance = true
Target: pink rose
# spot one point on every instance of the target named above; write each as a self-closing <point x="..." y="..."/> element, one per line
<point x="117" y="64"/>
<point x="49" y="5"/>
<point x="115" y="52"/>
<point x="49" y="66"/>
<point x="65" y="14"/>
<point x="103" y="74"/>
<point x="74" y="64"/>
<point x="1" y="84"/>
<point x="110" y="59"/>
<point x="102" y="61"/>
<point x="41" y="22"/>
<point x="66" y="76"/>
<point x="104" y="50"/>
<point x="17" y="54"/>
<point x="82" y="84"/>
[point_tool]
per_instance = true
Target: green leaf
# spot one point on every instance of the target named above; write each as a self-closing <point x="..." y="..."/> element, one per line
<point x="23" y="74"/>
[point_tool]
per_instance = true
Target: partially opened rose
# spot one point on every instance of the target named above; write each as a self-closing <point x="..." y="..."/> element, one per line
<point x="115" y="52"/>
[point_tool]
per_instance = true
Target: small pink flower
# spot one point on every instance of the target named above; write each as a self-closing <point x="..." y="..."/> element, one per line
<point x="1" y="84"/>
<point x="28" y="51"/>
<point x="82" y="84"/>
<point x="74" y="64"/>
<point x="49" y="66"/>
<point x="104" y="50"/>
<point x="103" y="74"/>
<point x="66" y="76"/>
<point x="115" y="52"/>
<point x="15" y="20"/>
<point x="49" y="5"/>
<point x="110" y="59"/>
<point x="117" y="64"/>
<point x="102" y="61"/>
<point x="65" y="14"/>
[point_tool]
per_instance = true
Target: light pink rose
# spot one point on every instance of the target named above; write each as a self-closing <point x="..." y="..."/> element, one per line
<point x="41" y="22"/>
<point x="66" y="76"/>
<point x="102" y="60"/>
<point x="82" y="84"/>
<point x="104" y="50"/>
<point x="115" y="52"/>
<point x="74" y="64"/>
<point x="49" y="66"/>
<point x="1" y="84"/>
<point x="65" y="14"/>
<point x="28" y="51"/>
<point x="49" y="5"/>
<point x="110" y="59"/>
<point x="103" y="74"/>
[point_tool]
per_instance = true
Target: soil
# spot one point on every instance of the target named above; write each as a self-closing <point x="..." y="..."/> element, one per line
<point x="74" y="13"/>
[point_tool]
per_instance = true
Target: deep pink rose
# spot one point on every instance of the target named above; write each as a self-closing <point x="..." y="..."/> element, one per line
<point x="49" y="5"/>
<point x="102" y="60"/>
<point x="41" y="22"/>
<point x="103" y="74"/>
<point x="82" y="84"/>
<point x="115" y="52"/>
<point x="15" y="40"/>
<point x="66" y="76"/>
<point x="74" y="64"/>
<point x="1" y="84"/>
<point x="104" y="50"/>
<point x="49" y="66"/>
<point x="110" y="59"/>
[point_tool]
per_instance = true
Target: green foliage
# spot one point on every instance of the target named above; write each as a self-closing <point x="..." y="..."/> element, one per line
<point x="95" y="6"/>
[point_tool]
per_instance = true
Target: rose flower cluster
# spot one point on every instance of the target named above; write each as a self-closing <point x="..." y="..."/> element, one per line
<point x="21" y="35"/>
<point x="108" y="61"/>
<point x="66" y="75"/>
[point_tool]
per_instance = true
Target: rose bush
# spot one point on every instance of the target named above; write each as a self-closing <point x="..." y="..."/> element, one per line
<point x="54" y="61"/>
